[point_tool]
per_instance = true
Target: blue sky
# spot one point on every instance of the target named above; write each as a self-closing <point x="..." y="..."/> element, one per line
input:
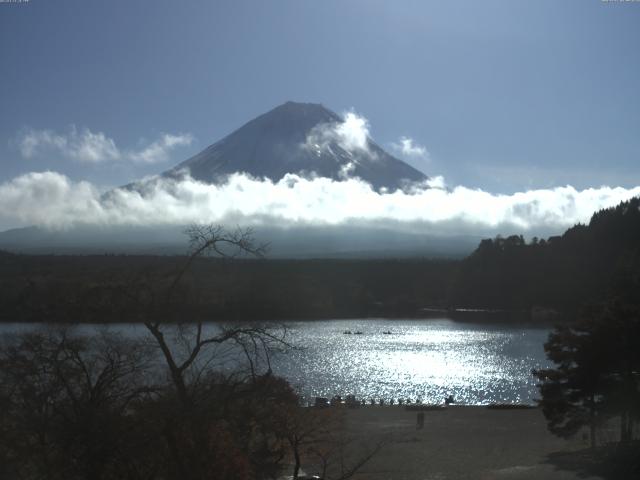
<point x="505" y="96"/>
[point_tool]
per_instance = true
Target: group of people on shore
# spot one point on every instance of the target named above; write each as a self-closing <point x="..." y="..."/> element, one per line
<point x="352" y="402"/>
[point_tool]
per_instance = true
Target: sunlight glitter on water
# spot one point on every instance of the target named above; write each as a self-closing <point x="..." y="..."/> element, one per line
<point x="420" y="359"/>
<point x="477" y="363"/>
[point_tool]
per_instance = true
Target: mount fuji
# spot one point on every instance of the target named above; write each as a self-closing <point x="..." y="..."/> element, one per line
<point x="300" y="138"/>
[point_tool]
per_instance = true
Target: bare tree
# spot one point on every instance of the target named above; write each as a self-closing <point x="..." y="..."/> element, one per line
<point x="189" y="348"/>
<point x="66" y="404"/>
<point x="309" y="433"/>
<point x="255" y="341"/>
<point x="320" y="437"/>
<point x="342" y="456"/>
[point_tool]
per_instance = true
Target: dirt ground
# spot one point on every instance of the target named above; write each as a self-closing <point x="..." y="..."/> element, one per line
<point x="459" y="443"/>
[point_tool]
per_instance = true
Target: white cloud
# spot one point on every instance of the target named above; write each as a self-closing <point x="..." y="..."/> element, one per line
<point x="406" y="147"/>
<point x="436" y="182"/>
<point x="346" y="170"/>
<point x="158" y="151"/>
<point x="85" y="146"/>
<point x="33" y="140"/>
<point x="351" y="135"/>
<point x="51" y="199"/>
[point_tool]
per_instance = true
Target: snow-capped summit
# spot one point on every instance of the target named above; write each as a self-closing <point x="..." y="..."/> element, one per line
<point x="302" y="138"/>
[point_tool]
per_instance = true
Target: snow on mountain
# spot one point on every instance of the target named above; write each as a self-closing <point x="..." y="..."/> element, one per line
<point x="301" y="138"/>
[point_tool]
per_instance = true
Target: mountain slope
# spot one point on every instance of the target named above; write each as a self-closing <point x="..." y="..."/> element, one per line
<point x="301" y="138"/>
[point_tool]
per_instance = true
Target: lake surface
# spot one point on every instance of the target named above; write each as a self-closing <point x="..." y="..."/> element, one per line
<point x="420" y="359"/>
<point x="477" y="363"/>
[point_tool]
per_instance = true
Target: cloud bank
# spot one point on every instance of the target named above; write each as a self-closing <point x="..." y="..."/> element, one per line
<point x="84" y="146"/>
<point x="52" y="200"/>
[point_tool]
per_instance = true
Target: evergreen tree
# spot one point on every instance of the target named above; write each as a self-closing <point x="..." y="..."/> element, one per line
<point x="597" y="371"/>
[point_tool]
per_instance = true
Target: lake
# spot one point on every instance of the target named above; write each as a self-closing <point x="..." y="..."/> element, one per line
<point x="477" y="363"/>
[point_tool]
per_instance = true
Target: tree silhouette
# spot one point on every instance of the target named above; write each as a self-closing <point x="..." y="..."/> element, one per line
<point x="597" y="372"/>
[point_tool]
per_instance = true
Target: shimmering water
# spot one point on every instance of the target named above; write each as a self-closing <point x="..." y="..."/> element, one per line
<point x="420" y="359"/>
<point x="477" y="363"/>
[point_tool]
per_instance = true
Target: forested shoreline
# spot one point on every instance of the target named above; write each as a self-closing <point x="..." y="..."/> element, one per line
<point x="559" y="274"/>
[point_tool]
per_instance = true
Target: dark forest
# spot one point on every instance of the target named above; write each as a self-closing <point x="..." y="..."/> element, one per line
<point x="531" y="280"/>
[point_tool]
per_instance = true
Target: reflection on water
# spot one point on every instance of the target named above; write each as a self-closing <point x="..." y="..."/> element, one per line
<point x="420" y="359"/>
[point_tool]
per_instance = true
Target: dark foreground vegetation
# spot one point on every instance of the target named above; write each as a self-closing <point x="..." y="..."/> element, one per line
<point x="185" y="401"/>
<point x="593" y="388"/>
<point x="560" y="274"/>
<point x="105" y="407"/>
